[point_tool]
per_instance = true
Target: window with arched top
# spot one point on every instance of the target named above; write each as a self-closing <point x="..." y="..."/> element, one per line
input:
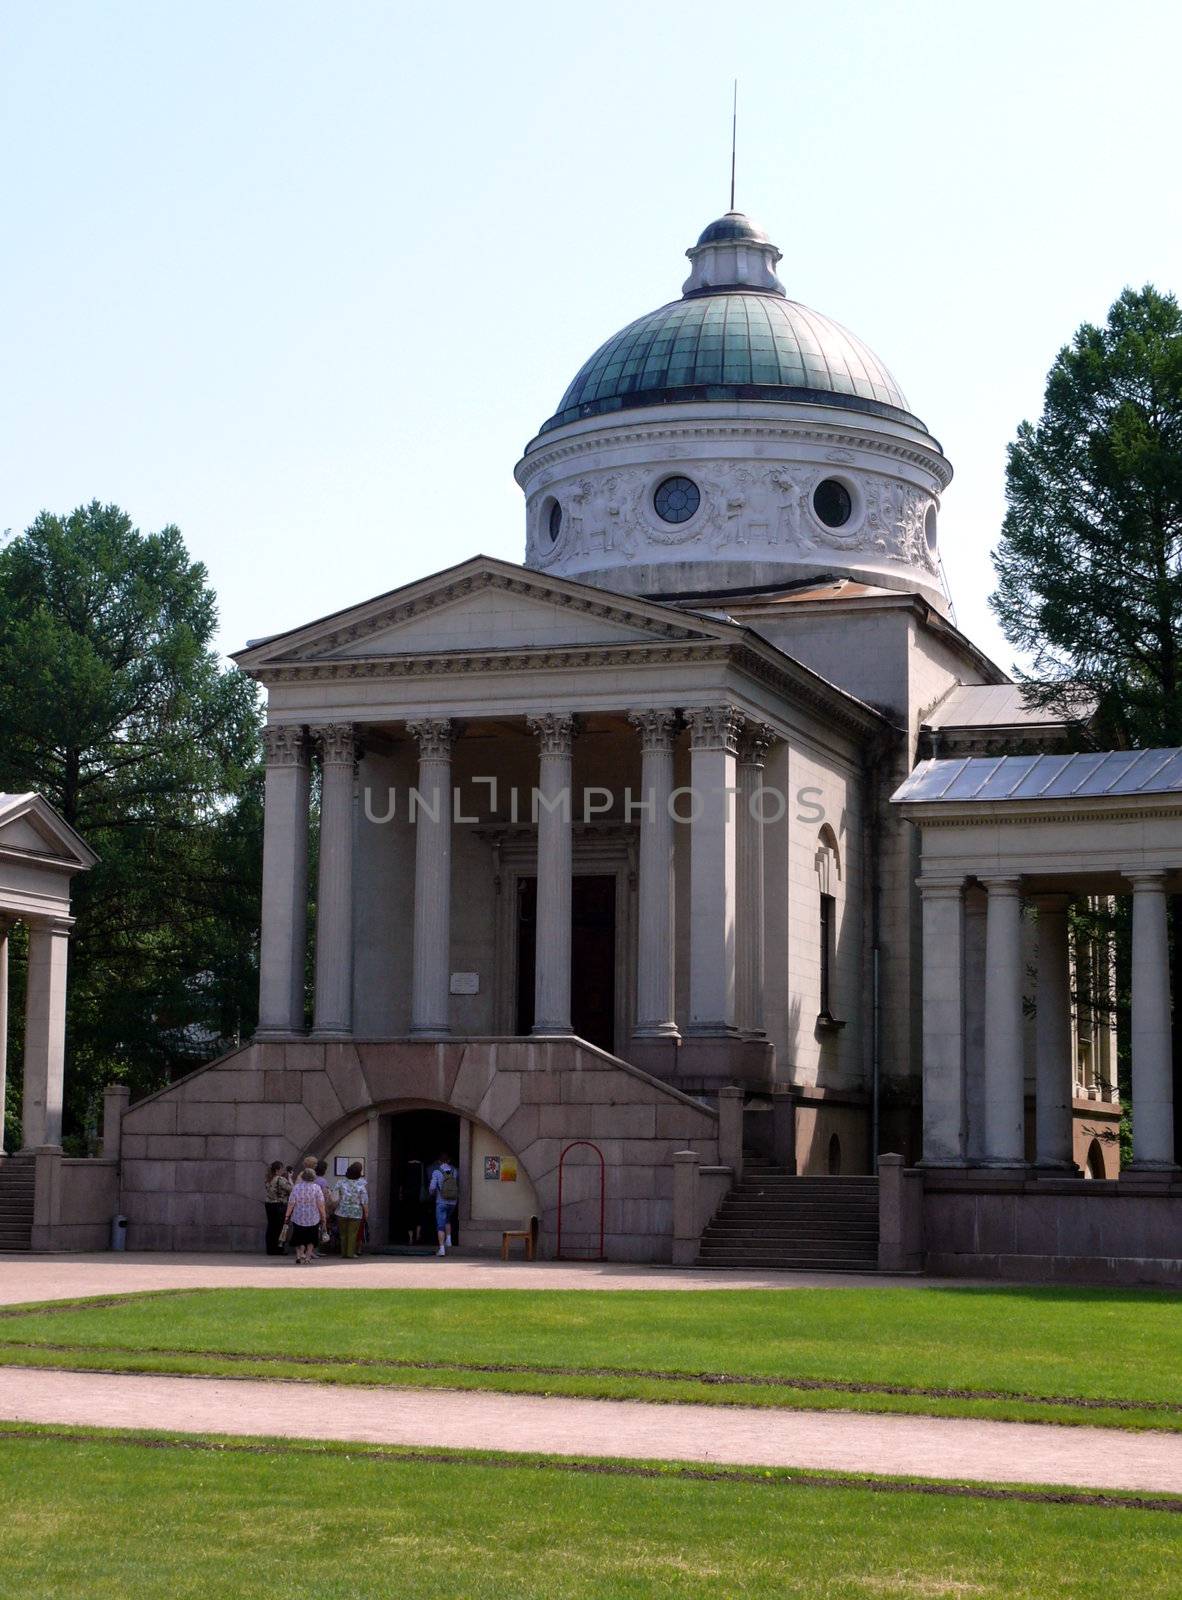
<point x="828" y="882"/>
<point x="1096" y="1167"/>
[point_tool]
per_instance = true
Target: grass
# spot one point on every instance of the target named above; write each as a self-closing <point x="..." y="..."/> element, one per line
<point x="1102" y="1357"/>
<point x="108" y="1515"/>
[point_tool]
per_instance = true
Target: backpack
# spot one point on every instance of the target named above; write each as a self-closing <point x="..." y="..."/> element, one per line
<point x="449" y="1186"/>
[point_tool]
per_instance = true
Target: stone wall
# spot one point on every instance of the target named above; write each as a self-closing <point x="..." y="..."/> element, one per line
<point x="193" y="1155"/>
<point x="1127" y="1232"/>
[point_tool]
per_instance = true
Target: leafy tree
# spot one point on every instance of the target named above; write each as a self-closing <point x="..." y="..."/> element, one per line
<point x="115" y="707"/>
<point x="1089" y="565"/>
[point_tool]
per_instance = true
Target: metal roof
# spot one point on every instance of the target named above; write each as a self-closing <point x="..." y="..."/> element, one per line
<point x="1003" y="705"/>
<point x="1079" y="777"/>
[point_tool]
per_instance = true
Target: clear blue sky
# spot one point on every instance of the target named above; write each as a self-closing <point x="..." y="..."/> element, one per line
<point x="304" y="278"/>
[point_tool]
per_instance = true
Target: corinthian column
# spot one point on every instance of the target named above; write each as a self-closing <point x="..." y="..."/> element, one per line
<point x="333" y="1012"/>
<point x="714" y="732"/>
<point x="45" y="1033"/>
<point x="654" y="967"/>
<point x="755" y="741"/>
<point x="1153" y="1089"/>
<point x="555" y="733"/>
<point x="283" y="936"/>
<point x="432" y="924"/>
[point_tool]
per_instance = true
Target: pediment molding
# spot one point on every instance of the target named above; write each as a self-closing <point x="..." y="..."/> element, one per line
<point x="335" y="642"/>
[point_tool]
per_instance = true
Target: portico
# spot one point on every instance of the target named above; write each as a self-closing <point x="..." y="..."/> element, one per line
<point x="441" y="772"/>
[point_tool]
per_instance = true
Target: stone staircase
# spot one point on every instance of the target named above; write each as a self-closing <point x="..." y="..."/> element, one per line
<point x="775" y="1219"/>
<point x="16" y="1202"/>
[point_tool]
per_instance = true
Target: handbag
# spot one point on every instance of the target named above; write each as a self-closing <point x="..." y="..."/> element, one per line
<point x="285" y="1233"/>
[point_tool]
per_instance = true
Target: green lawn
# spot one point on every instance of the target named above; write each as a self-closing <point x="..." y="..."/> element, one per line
<point x="1001" y="1352"/>
<point x="107" y="1516"/>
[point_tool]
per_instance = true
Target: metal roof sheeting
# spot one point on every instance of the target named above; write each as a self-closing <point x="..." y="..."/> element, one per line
<point x="1088" y="776"/>
<point x="1002" y="705"/>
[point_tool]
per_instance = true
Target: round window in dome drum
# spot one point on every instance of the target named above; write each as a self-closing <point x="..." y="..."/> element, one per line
<point x="677" y="499"/>
<point x="832" y="503"/>
<point x="554" y="521"/>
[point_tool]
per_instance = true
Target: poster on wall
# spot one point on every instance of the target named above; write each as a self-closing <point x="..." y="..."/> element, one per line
<point x="340" y="1166"/>
<point x="508" y="1169"/>
<point x="492" y="1169"/>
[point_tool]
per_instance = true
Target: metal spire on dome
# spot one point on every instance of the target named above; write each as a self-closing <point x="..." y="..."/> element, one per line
<point x="734" y="137"/>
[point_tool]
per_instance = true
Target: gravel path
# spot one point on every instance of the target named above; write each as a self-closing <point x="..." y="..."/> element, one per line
<point x="58" y="1277"/>
<point x="933" y="1447"/>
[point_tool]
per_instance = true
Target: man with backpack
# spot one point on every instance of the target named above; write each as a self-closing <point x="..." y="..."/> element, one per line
<point x="445" y="1190"/>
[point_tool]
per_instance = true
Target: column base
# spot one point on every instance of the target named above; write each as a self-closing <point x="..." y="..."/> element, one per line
<point x="708" y="1062"/>
<point x="323" y="1035"/>
<point x="1163" y="1172"/>
<point x="552" y="1030"/>
<point x="1002" y="1166"/>
<point x="430" y="1033"/>
<point x="278" y="1035"/>
<point x="656" y="1030"/>
<point x="945" y="1163"/>
<point x="1055" y="1170"/>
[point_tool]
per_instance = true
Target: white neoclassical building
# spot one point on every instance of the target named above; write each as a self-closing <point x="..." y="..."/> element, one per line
<point x="597" y="851"/>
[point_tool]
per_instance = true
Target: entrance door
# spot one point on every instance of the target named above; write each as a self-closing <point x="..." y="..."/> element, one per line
<point x="417" y="1140"/>
<point x="592" y="956"/>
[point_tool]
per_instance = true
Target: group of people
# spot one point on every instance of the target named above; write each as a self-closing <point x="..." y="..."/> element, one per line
<point x="307" y="1208"/>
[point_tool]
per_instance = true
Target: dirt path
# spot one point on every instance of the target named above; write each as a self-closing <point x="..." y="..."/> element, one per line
<point x="994" y="1452"/>
<point x="26" y="1277"/>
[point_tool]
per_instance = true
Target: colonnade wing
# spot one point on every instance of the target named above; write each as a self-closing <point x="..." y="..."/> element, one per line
<point x="1041" y="831"/>
<point x="39" y="854"/>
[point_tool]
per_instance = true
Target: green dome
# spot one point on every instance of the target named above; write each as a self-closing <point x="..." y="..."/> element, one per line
<point x="731" y="344"/>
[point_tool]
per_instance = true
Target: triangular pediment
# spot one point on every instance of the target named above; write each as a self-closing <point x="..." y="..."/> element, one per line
<point x="483" y="605"/>
<point x="29" y="826"/>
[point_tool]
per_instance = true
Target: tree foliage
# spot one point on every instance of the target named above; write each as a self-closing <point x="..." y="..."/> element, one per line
<point x="1089" y="565"/>
<point x="115" y="707"/>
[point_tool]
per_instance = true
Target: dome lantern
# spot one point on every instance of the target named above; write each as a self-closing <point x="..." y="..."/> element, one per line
<point x="733" y="253"/>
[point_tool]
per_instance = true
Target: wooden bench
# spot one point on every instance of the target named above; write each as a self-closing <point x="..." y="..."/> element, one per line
<point x="528" y="1235"/>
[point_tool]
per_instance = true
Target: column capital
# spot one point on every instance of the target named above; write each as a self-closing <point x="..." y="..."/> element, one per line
<point x="39" y="924"/>
<point x="714" y="727"/>
<point x="755" y="740"/>
<point x="1147" y="881"/>
<point x="932" y="887"/>
<point x="435" y="736"/>
<point x="1001" y="883"/>
<point x="657" y="727"/>
<point x="554" y="730"/>
<point x="285" y="744"/>
<point x="337" y="742"/>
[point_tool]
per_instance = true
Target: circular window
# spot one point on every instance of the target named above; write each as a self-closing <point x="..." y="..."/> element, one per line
<point x="677" y="499"/>
<point x="832" y="503"/>
<point x="929" y="528"/>
<point x="554" y="521"/>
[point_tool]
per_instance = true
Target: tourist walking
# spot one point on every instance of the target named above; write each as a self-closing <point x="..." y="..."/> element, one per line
<point x="352" y="1208"/>
<point x="306" y="1216"/>
<point x="275" y="1192"/>
<point x="445" y="1189"/>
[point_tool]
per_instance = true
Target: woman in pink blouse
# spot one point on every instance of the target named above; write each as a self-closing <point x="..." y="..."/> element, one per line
<point x="306" y="1215"/>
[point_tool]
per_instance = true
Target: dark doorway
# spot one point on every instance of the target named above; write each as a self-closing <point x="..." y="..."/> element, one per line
<point x="592" y="956"/>
<point x="417" y="1140"/>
